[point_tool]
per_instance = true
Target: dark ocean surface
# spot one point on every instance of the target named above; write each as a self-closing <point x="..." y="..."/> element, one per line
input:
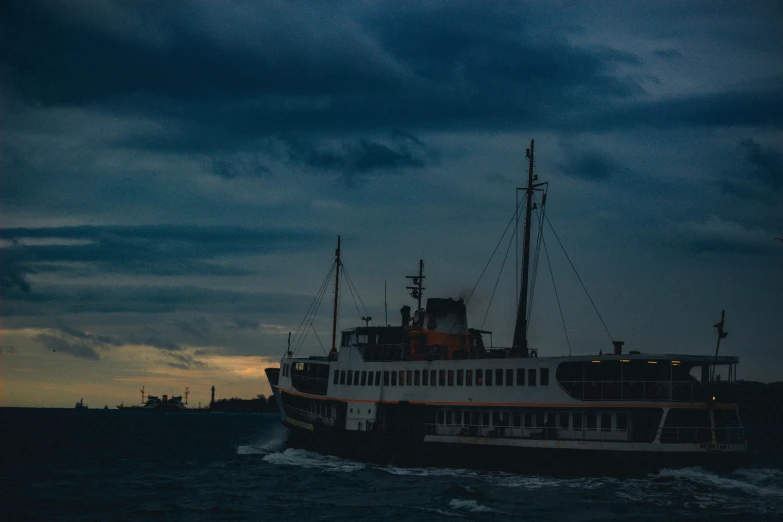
<point x="113" y="465"/>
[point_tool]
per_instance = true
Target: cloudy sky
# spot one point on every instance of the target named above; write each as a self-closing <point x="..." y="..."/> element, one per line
<point x="173" y="176"/>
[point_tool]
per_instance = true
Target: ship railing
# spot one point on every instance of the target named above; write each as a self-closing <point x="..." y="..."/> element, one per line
<point x="519" y="432"/>
<point x="675" y="391"/>
<point x="701" y="435"/>
<point x="305" y="415"/>
<point x="383" y="352"/>
<point x="314" y="385"/>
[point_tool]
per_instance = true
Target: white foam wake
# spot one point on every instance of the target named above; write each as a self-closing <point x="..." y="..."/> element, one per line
<point x="264" y="447"/>
<point x="308" y="459"/>
<point x="471" y="505"/>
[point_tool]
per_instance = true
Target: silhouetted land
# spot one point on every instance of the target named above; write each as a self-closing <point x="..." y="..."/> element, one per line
<point x="235" y="404"/>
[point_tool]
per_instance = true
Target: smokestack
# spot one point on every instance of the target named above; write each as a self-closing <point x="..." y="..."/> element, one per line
<point x="213" y="397"/>
<point x="618" y="347"/>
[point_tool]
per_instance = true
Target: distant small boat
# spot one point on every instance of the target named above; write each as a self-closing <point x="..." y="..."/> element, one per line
<point x="81" y="406"/>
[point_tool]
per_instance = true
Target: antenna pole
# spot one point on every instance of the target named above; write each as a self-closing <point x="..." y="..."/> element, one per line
<point x="187" y="392"/>
<point x="385" y="304"/>
<point x="519" y="345"/>
<point x="722" y="334"/>
<point x="336" y="297"/>
<point x="142" y="394"/>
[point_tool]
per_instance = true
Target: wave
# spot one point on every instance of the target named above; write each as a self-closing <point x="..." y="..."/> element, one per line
<point x="264" y="447"/>
<point x="472" y="506"/>
<point x="308" y="459"/>
<point x="758" y="482"/>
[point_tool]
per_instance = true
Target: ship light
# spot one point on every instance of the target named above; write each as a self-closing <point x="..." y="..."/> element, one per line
<point x="625" y="360"/>
<point x="713" y="397"/>
<point x="652" y="362"/>
<point x="597" y="361"/>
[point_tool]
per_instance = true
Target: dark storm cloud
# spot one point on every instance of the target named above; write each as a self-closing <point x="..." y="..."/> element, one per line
<point x="93" y="339"/>
<point x="233" y="169"/>
<point x="12" y="274"/>
<point x="199" y="328"/>
<point x="184" y="361"/>
<point x="669" y="54"/>
<point x="591" y="165"/>
<point x="57" y="300"/>
<point x="58" y="344"/>
<point x="151" y="250"/>
<point x="759" y="176"/>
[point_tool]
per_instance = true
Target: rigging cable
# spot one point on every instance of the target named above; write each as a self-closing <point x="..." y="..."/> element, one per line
<point x="312" y="303"/>
<point x="511" y="242"/>
<point x="366" y="313"/>
<point x="314" y="306"/>
<point x="493" y="252"/>
<point x="580" y="279"/>
<point x="540" y="217"/>
<point x="557" y="297"/>
<point x="318" y="338"/>
<point x="348" y="284"/>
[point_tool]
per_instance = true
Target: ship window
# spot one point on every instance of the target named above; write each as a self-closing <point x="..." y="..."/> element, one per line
<point x="499" y="377"/>
<point x="528" y="419"/>
<point x="336" y="376"/>
<point x="402" y="377"/>
<point x="356" y="378"/>
<point x="441" y="417"/>
<point x="342" y="377"/>
<point x="479" y="377"/>
<point x="394" y="378"/>
<point x="485" y="418"/>
<point x="425" y="378"/>
<point x="417" y="378"/>
<point x="465" y="418"/>
<point x="469" y="377"/>
<point x="496" y="418"/>
<point x="451" y="377"/>
<point x="544" y="376"/>
<point x="364" y="378"/>
<point x="449" y="417"/>
<point x="576" y="419"/>
<point x="591" y="421"/>
<point x="509" y="377"/>
<point x="442" y="378"/>
<point x="409" y="378"/>
<point x="458" y="417"/>
<point x="432" y="377"/>
<point x="551" y="419"/>
<point x="351" y="410"/>
<point x="504" y="419"/>
<point x="362" y="338"/>
<point x="622" y="421"/>
<point x="563" y="420"/>
<point x="460" y="377"/>
<point x="378" y="378"/>
<point x="475" y="418"/>
<point x="531" y="377"/>
<point x="517" y="418"/>
<point x="539" y="419"/>
<point x="386" y="377"/>
<point x="350" y="377"/>
<point x="606" y="422"/>
<point x="520" y="376"/>
<point x="488" y="375"/>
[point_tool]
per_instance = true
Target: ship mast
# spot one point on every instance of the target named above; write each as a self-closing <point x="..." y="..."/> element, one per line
<point x="336" y="297"/>
<point x="519" y="347"/>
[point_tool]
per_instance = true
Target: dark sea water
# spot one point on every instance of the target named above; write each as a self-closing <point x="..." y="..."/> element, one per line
<point x="113" y="465"/>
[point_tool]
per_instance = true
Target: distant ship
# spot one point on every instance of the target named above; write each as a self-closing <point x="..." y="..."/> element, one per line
<point x="81" y="406"/>
<point x="163" y="403"/>
<point x="431" y="392"/>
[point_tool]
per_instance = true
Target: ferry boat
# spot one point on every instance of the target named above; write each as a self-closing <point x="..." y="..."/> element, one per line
<point x="431" y="392"/>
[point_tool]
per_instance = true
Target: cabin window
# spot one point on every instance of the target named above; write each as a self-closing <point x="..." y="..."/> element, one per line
<point x="417" y="378"/>
<point x="622" y="421"/>
<point x="485" y="418"/>
<point x="544" y="376"/>
<point x="350" y="377"/>
<point x="362" y="338"/>
<point x="449" y="417"/>
<point x="441" y="377"/>
<point x="563" y="418"/>
<point x="336" y="376"/>
<point x="479" y="377"/>
<point x="425" y="378"/>
<point x="342" y="377"/>
<point x="517" y="418"/>
<point x="441" y="417"/>
<point x="409" y="377"/>
<point x="520" y="376"/>
<point x="432" y="377"/>
<point x="386" y="377"/>
<point x="460" y="377"/>
<point x="551" y="419"/>
<point x="356" y="378"/>
<point x="402" y="377"/>
<point x="528" y="419"/>
<point x="496" y="418"/>
<point x="469" y="377"/>
<point x="539" y="419"/>
<point x="378" y="378"/>
<point x="504" y="418"/>
<point x="451" y="377"/>
<point x="576" y="418"/>
<point x="394" y="378"/>
<point x="458" y="417"/>
<point x="591" y="421"/>
<point x="488" y="375"/>
<point x="364" y="378"/>
<point x="499" y="377"/>
<point x="606" y="422"/>
<point x="509" y="377"/>
<point x="465" y="418"/>
<point x="475" y="419"/>
<point x="531" y="377"/>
